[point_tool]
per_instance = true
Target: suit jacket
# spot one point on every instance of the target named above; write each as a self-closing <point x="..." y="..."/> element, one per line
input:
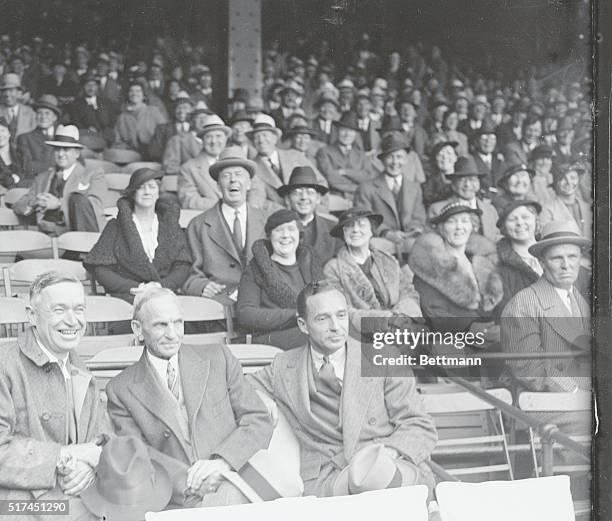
<point x="357" y="167"/>
<point x="198" y="191"/>
<point x="90" y="183"/>
<point x="556" y="210"/>
<point x="226" y="418"/>
<point x="34" y="154"/>
<point x="383" y="410"/>
<point x="328" y="139"/>
<point x="180" y="149"/>
<point x="537" y="320"/>
<point x="505" y="133"/>
<point x="102" y="119"/>
<point x="33" y="422"/>
<point x="321" y="242"/>
<point x="25" y="122"/>
<point x="376" y="196"/>
<point x="515" y="153"/>
<point x="111" y="90"/>
<point x="371" y="136"/>
<point x="289" y="159"/>
<point x="498" y="165"/>
<point x="214" y="252"/>
<point x="419" y="141"/>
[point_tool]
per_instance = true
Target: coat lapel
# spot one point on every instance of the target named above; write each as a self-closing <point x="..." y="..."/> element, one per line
<point x="266" y="174"/>
<point x="80" y="386"/>
<point x="295" y="380"/>
<point x="357" y="394"/>
<point x="219" y="232"/>
<point x="194" y="378"/>
<point x="386" y="195"/>
<point x="147" y="389"/>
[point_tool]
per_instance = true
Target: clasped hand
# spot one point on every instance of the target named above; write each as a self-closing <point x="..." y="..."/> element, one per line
<point x="205" y="476"/>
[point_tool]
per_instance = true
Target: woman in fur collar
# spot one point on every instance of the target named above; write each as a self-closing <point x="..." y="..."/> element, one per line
<point x="373" y="281"/>
<point x="454" y="274"/>
<point x="144" y="245"/>
<point x="280" y="268"/>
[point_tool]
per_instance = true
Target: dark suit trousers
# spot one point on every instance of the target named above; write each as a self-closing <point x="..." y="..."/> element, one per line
<point x="81" y="214"/>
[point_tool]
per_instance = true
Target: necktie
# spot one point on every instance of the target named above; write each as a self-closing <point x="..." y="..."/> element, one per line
<point x="172" y="381"/>
<point x="274" y="168"/>
<point x="396" y="186"/>
<point x="328" y="375"/>
<point x="573" y="304"/>
<point x="237" y="231"/>
<point x="363" y="124"/>
<point x="12" y="114"/>
<point x="71" y="422"/>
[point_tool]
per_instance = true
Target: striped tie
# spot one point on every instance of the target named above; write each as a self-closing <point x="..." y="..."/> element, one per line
<point x="172" y="381"/>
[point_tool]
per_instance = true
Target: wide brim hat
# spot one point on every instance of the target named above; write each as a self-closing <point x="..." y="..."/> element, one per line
<point x="453" y="209"/>
<point x="48" y="101"/>
<point x="466" y="167"/>
<point x="212" y="123"/>
<point x="350" y="216"/>
<point x="241" y="115"/>
<point x="392" y="143"/>
<point x="439" y="146"/>
<point x="513" y="169"/>
<point x="558" y="232"/>
<point x="154" y="502"/>
<point x="302" y="177"/>
<point x="264" y="122"/>
<point x="510" y="207"/>
<point x="232" y="156"/>
<point x="10" y="81"/>
<point x="559" y="170"/>
<point x="300" y="129"/>
<point x="326" y="99"/>
<point x="371" y="469"/>
<point x="66" y="137"/>
<point x="541" y="151"/>
<point x="139" y="177"/>
<point x="348" y="120"/>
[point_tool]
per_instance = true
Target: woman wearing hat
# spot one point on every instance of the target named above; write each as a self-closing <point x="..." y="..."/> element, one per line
<point x="516" y="185"/>
<point x="144" y="244"/>
<point x="280" y="268"/>
<point x="437" y="187"/>
<point x="567" y="203"/>
<point x="540" y="160"/>
<point x="137" y="121"/>
<point x="449" y="132"/>
<point x="454" y="273"/>
<point x="10" y="173"/>
<point x="373" y="281"/>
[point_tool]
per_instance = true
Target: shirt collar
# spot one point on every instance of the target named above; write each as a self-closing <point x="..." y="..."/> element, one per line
<point x="161" y="365"/>
<point x="337" y="359"/>
<point x="53" y="358"/>
<point x="66" y="173"/>
<point x="391" y="181"/>
<point x="229" y="212"/>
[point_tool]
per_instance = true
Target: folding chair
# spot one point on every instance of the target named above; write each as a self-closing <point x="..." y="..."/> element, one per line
<point x="201" y="309"/>
<point x="557" y="404"/>
<point x="136" y="165"/>
<point x="20" y="275"/>
<point x="170" y="183"/>
<point x="31" y="242"/>
<point x="13" y="318"/>
<point x="254" y="356"/>
<point x="106" y="166"/>
<point x="108" y="363"/>
<point x="186" y="217"/>
<point x="536" y="499"/>
<point x="81" y="242"/>
<point x="337" y="203"/>
<point x="8" y="219"/>
<point x="469" y="426"/>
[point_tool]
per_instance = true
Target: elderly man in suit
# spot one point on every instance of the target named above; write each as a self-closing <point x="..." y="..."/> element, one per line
<point x="183" y="147"/>
<point x="274" y="165"/>
<point x="393" y="195"/>
<point x="550" y="315"/>
<point x="327" y="108"/>
<point x="221" y="238"/>
<point x="66" y="197"/>
<point x="343" y="164"/>
<point x="110" y="86"/>
<point x="35" y="155"/>
<point x="183" y="105"/>
<point x="21" y="118"/>
<point x="52" y="419"/>
<point x="93" y="112"/>
<point x="192" y="406"/>
<point x="303" y="195"/>
<point x="336" y="412"/>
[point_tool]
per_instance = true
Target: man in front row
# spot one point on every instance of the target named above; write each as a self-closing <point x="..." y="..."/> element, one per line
<point x="192" y="406"/>
<point x="52" y="421"/>
<point x="335" y="412"/>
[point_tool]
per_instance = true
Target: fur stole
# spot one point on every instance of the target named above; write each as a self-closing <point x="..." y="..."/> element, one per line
<point x="435" y="265"/>
<point x="269" y="276"/>
<point x="508" y="258"/>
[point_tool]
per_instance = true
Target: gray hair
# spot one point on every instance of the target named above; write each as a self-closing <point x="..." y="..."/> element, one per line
<point x="147" y="295"/>
<point x="47" y="279"/>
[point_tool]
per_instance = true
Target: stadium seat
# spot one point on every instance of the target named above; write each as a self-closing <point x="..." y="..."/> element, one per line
<point x="132" y="167"/>
<point x="106" y="166"/>
<point x="201" y="309"/>
<point x="81" y="242"/>
<point x="116" y="183"/>
<point x="187" y="215"/>
<point x="254" y="355"/>
<point x="338" y="203"/>
<point x="19" y="275"/>
<point x="13" y="317"/>
<point x="8" y="219"/>
<point x="469" y="430"/>
<point x="536" y="499"/>
<point x="170" y="183"/>
<point x="121" y="156"/>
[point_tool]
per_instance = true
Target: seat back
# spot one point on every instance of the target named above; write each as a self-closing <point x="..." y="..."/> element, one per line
<point x="16" y="241"/>
<point x="20" y="275"/>
<point x="116" y="183"/>
<point x="170" y="183"/>
<point x="136" y="165"/>
<point x="8" y="219"/>
<point x="536" y="499"/>
<point x="81" y="242"/>
<point x="472" y="439"/>
<point x="13" y="317"/>
<point x="100" y="164"/>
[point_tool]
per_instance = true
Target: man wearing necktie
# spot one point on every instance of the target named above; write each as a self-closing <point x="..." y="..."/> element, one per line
<point x="192" y="406"/>
<point x="334" y="411"/>
<point x="20" y="117"/>
<point x="183" y="105"/>
<point x="52" y="419"/>
<point x="551" y="315"/>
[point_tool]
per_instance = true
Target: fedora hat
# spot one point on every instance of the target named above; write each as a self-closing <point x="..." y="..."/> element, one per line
<point x="346" y="84"/>
<point x="66" y="136"/>
<point x="302" y="176"/>
<point x="513" y="169"/>
<point x="559" y="170"/>
<point x="453" y="209"/>
<point x="128" y="483"/>
<point x="348" y="120"/>
<point x="140" y="177"/>
<point x="326" y="97"/>
<point x="48" y="101"/>
<point x="540" y="152"/>
<point x="391" y="124"/>
<point x="391" y="143"/>
<point x="371" y="468"/>
<point x="264" y="122"/>
<point x="510" y="207"/>
<point x="558" y="232"/>
<point x="350" y="216"/>
<point x="214" y="122"/>
<point x="241" y="115"/>
<point x="487" y="127"/>
<point x="435" y="150"/>
<point x="299" y="129"/>
<point x="464" y="167"/>
<point x="183" y="97"/>
<point x="293" y="86"/>
<point x="10" y="81"/>
<point x="232" y="156"/>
